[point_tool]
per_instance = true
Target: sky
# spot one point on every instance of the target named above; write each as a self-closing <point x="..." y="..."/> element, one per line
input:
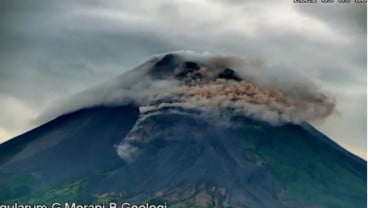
<point x="50" y="50"/>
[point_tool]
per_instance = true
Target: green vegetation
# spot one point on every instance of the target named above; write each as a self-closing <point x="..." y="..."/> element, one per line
<point x="65" y="192"/>
<point x="308" y="172"/>
<point x="108" y="197"/>
<point x="17" y="187"/>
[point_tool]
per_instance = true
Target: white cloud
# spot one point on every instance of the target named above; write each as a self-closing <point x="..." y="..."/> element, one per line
<point x="16" y="117"/>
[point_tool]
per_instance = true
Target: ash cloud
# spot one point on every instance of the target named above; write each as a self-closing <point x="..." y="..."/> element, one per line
<point x="250" y="87"/>
<point x="269" y="104"/>
<point x="213" y="83"/>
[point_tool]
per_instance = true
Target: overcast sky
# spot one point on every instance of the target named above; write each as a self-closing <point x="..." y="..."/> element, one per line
<point x="52" y="49"/>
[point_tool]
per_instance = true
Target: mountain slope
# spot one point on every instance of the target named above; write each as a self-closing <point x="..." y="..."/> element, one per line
<point x="66" y="148"/>
<point x="189" y="131"/>
<point x="181" y="159"/>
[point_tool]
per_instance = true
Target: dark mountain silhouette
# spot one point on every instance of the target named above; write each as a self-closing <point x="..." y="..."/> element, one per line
<point x="176" y="155"/>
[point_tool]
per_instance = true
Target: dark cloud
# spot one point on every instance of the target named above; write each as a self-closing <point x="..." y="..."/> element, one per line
<point x="42" y="53"/>
<point x="50" y="49"/>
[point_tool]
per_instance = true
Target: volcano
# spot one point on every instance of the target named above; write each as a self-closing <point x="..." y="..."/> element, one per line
<point x="188" y="132"/>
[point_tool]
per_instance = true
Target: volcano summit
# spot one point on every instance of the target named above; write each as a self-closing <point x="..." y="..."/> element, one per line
<point x="188" y="130"/>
